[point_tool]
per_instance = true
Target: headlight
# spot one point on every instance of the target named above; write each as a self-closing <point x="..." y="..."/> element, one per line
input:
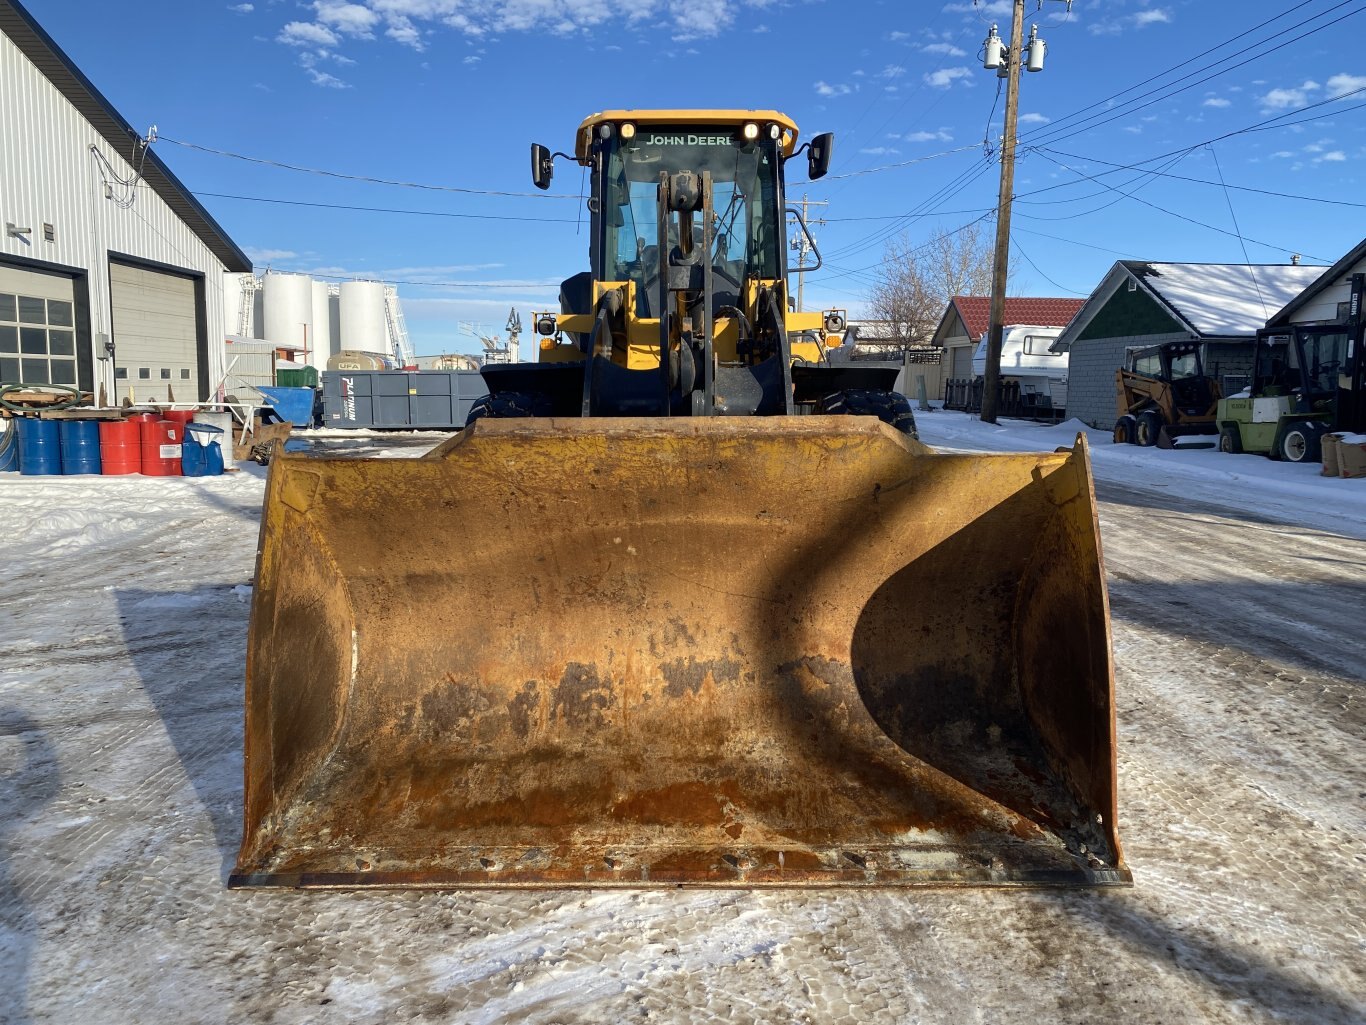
<point x="834" y="323"/>
<point x="774" y="131"/>
<point x="545" y="324"/>
<point x="604" y="131"/>
<point x="628" y="131"/>
<point x="750" y="132"/>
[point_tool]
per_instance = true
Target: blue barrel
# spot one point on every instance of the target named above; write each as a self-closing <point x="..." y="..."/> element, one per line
<point x="80" y="446"/>
<point x="39" y="447"/>
<point x="201" y="453"/>
<point x="9" y="446"/>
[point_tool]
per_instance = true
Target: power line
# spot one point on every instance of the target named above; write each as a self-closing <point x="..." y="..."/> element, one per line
<point x="903" y="163"/>
<point x="365" y="178"/>
<point x="1259" y="126"/>
<point x="384" y="209"/>
<point x="1202" y="181"/>
<point x="1051" y="134"/>
<point x="1150" y="177"/>
<point x="1015" y="243"/>
<point x="1234" y="218"/>
<point x="924" y="208"/>
<point x="1062" y="121"/>
<point x="1074" y="242"/>
<point x="530" y="286"/>
<point x="1173" y="213"/>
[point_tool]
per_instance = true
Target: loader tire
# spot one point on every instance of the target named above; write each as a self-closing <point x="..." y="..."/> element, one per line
<point x="1147" y="429"/>
<point x="1124" y="429"/>
<point x="888" y="406"/>
<point x="1230" y="440"/>
<point x="509" y="405"/>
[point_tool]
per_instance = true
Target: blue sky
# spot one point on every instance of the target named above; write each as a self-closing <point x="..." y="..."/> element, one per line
<point x="450" y="93"/>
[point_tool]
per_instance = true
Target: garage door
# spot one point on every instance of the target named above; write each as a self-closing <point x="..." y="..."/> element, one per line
<point x="37" y="328"/>
<point x="962" y="362"/>
<point x="156" y="352"/>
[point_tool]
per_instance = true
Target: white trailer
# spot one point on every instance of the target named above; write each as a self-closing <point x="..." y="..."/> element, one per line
<point x="1026" y="358"/>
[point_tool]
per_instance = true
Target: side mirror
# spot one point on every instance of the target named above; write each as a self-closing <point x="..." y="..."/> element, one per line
<point x="542" y="166"/>
<point x="818" y="155"/>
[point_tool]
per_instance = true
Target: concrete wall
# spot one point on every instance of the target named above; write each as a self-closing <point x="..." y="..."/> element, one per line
<point x="50" y="174"/>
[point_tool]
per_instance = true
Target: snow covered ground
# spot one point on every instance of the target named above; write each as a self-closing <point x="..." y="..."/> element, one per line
<point x="1290" y="492"/>
<point x="1237" y="588"/>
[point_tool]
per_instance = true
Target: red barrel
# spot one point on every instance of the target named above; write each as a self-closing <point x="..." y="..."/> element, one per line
<point x="161" y="448"/>
<point x="179" y="416"/>
<point x="120" y="447"/>
<point x="140" y="417"/>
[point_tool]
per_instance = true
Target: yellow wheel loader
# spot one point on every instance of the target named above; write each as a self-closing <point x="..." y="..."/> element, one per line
<point x="686" y="603"/>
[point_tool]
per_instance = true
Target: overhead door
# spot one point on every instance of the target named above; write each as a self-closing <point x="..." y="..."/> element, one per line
<point x="156" y="351"/>
<point x="37" y="328"/>
<point x="962" y="362"/>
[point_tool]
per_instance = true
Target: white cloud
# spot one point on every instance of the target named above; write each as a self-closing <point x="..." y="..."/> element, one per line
<point x="1334" y="156"/>
<point x="269" y="255"/>
<point x="892" y="71"/>
<point x="325" y="80"/>
<point x="826" y="89"/>
<point x="305" y="33"/>
<point x="242" y="8"/>
<point x="873" y="151"/>
<point x="312" y="58"/>
<point x="475" y="60"/>
<point x="1340" y="85"/>
<point x="943" y="135"/>
<point x="1283" y="154"/>
<point x="401" y="30"/>
<point x="347" y="18"/>
<point x="1217" y="101"/>
<point x="1033" y="119"/>
<point x="410" y="22"/>
<point x="1003" y="7"/>
<point x="945" y="77"/>
<point x="899" y="37"/>
<point x="1151" y="17"/>
<point x="947" y="49"/>
<point x="1285" y="99"/>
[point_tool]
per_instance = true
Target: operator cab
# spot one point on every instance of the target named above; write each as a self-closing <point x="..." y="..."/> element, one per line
<point x="743" y="151"/>
<point x="747" y="223"/>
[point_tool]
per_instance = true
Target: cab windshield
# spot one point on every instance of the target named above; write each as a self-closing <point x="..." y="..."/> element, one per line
<point x="1325" y="352"/>
<point x="747" y="228"/>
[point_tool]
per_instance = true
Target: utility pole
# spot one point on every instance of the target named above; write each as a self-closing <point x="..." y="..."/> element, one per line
<point x="1007" y="62"/>
<point x="802" y="245"/>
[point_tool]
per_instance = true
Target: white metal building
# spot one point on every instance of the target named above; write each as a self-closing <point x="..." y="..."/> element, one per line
<point x="111" y="272"/>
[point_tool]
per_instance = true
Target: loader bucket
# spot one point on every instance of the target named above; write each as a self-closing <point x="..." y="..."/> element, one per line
<point x="800" y="651"/>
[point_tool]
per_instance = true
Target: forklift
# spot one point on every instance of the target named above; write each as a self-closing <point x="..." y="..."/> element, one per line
<point x="1307" y="381"/>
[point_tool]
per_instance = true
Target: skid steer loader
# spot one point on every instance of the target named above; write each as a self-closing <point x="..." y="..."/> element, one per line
<point x="686" y="603"/>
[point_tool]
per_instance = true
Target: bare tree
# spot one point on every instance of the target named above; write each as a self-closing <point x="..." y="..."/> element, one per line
<point x="917" y="280"/>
